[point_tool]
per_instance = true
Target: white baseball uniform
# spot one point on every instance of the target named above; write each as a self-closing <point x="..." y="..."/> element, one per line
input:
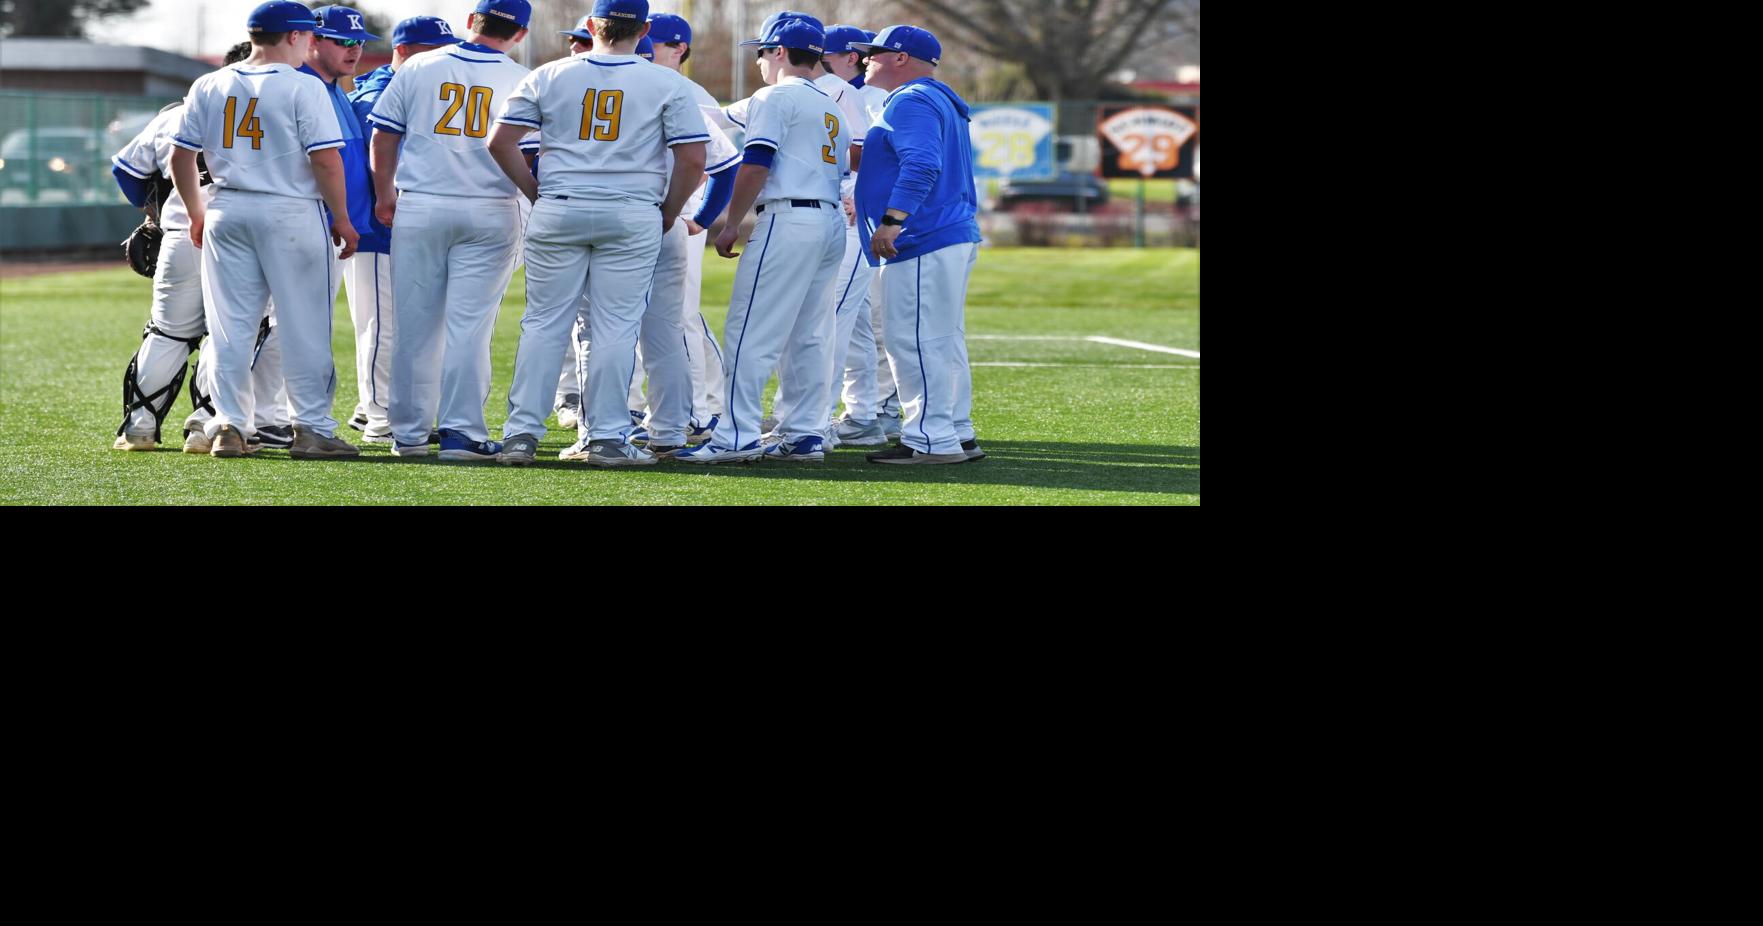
<point x="869" y="380"/>
<point x="607" y="121"/>
<point x="266" y="234"/>
<point x="455" y="236"/>
<point x="779" y="310"/>
<point x="678" y="281"/>
<point x="850" y="291"/>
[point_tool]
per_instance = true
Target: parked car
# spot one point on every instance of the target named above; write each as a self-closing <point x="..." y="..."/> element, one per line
<point x="66" y="159"/>
<point x="1068" y="190"/>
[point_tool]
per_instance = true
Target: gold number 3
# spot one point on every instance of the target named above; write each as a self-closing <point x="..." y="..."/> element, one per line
<point x="832" y="138"/>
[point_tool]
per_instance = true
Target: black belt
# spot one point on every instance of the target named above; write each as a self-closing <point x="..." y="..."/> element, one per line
<point x="802" y="203"/>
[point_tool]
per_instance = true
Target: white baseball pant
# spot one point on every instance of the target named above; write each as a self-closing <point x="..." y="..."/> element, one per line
<point x="367" y="277"/>
<point x="452" y="259"/>
<point x="258" y="245"/>
<point x="926" y="300"/>
<point x="780" y="316"/>
<point x="608" y="250"/>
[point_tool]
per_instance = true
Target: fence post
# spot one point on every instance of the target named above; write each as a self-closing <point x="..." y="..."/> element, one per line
<point x="30" y="124"/>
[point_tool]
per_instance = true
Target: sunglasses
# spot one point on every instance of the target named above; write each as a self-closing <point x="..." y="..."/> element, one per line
<point x="346" y="43"/>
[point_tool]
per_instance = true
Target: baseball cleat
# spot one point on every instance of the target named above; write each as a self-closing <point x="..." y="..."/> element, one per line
<point x="809" y="449"/>
<point x="196" y="441"/>
<point x="861" y="433"/>
<point x="698" y="435"/>
<point x="359" y="422"/>
<point x="971" y="449"/>
<point x="377" y="435"/>
<point x="519" y="450"/>
<point x="402" y="450"/>
<point x="458" y="447"/>
<point x="900" y="453"/>
<point x="890" y="424"/>
<point x="229" y="443"/>
<point x="636" y="417"/>
<point x="710" y="453"/>
<point x="279" y="436"/>
<point x="608" y="452"/>
<point x="311" y="445"/>
<point x="569" y="414"/>
<point x="663" y="451"/>
<point x="130" y="441"/>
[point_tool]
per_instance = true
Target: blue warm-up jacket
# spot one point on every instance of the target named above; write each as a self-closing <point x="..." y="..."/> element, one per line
<point x="918" y="158"/>
<point x="358" y="181"/>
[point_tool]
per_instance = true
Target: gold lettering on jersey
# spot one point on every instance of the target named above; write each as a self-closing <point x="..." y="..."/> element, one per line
<point x="832" y="138"/>
<point x="248" y="127"/>
<point x="601" y="118"/>
<point x="477" y="113"/>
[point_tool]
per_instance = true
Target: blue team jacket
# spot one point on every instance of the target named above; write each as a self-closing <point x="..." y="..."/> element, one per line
<point x="358" y="182"/>
<point x="917" y="158"/>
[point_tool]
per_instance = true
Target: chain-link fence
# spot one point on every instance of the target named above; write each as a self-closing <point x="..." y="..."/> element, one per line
<point x="55" y="148"/>
<point x="56" y="190"/>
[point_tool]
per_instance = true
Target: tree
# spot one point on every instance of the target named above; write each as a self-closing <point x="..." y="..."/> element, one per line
<point x="1067" y="49"/>
<point x="65" y="18"/>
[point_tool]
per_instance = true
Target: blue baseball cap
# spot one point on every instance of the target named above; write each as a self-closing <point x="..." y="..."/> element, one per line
<point x="341" y="22"/>
<point x="910" y="39"/>
<point x="795" y="33"/>
<point x="839" y="38"/>
<point x="581" y="31"/>
<point x="425" y="30"/>
<point x="621" y="9"/>
<point x="281" y="16"/>
<point x="518" y="12"/>
<point x="775" y="18"/>
<point x="645" y="48"/>
<point x="666" y="27"/>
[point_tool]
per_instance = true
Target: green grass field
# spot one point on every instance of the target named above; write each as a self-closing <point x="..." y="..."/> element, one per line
<point x="1063" y="420"/>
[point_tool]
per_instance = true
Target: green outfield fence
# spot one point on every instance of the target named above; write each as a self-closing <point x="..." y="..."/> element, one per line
<point x="56" y="191"/>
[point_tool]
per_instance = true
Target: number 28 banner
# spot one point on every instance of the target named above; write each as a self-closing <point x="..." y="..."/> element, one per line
<point x="1012" y="140"/>
<point x="1148" y="141"/>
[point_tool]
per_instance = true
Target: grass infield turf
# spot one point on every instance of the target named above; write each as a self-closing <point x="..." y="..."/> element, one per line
<point x="1077" y="423"/>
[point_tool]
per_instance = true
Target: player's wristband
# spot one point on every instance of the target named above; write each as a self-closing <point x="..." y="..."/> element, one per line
<point x="890" y="220"/>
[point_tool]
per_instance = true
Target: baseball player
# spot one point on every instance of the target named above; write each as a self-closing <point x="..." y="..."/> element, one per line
<point x="796" y="154"/>
<point x="150" y="384"/>
<point x="672" y="36"/>
<point x="608" y="119"/>
<point x="269" y="136"/>
<point x="915" y="211"/>
<point x="868" y="420"/>
<point x="455" y="230"/>
<point x="368" y="278"/>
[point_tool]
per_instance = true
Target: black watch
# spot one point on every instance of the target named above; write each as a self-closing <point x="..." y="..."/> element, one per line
<point x="890" y="220"/>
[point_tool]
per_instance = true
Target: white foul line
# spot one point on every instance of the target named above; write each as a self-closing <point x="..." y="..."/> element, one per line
<point x="1140" y="345"/>
<point x="1094" y="339"/>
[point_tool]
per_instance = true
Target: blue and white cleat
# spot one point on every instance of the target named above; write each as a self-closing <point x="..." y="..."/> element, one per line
<point x="809" y="449"/>
<point x="698" y="435"/>
<point x="456" y="446"/>
<point x="710" y="453"/>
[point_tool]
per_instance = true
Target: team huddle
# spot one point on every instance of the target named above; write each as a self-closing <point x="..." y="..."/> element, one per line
<point x="423" y="190"/>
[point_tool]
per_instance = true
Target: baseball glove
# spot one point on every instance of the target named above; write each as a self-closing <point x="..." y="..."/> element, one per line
<point x="141" y="248"/>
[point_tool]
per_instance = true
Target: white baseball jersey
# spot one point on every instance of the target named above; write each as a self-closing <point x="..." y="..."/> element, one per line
<point x="607" y="122"/>
<point x="149" y="153"/>
<point x="443" y="103"/>
<point x="875" y="99"/>
<point x="806" y="128"/>
<point x="858" y="116"/>
<point x="720" y="152"/>
<point x="256" y="125"/>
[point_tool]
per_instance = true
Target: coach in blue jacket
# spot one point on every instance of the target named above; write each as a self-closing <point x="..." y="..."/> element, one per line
<point x="915" y="207"/>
